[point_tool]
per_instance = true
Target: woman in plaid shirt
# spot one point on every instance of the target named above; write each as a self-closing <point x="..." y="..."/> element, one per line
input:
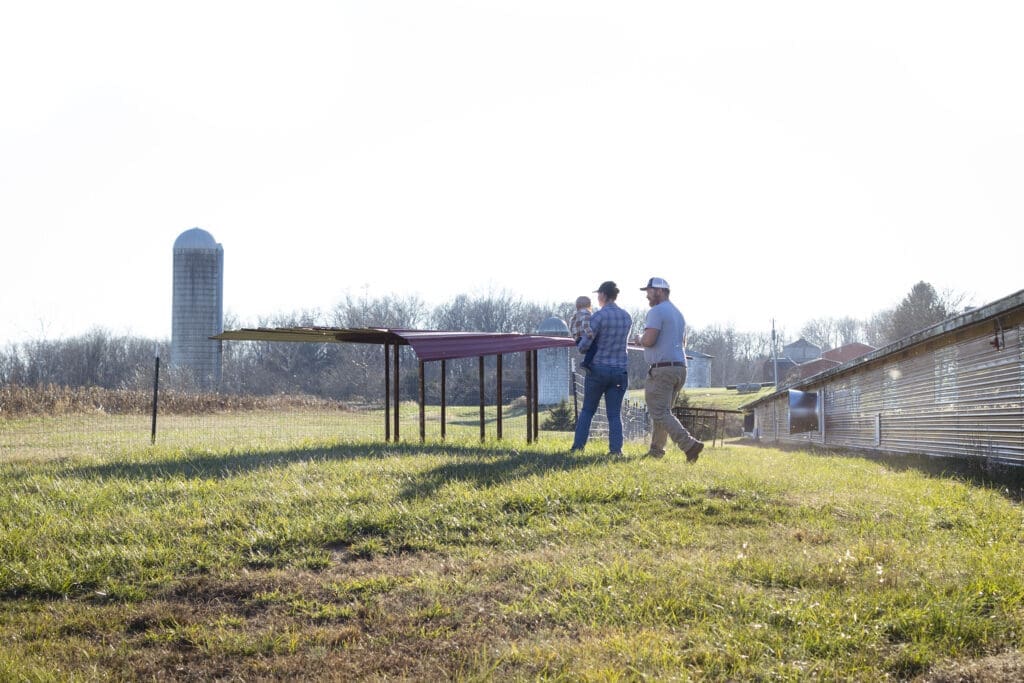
<point x="608" y="375"/>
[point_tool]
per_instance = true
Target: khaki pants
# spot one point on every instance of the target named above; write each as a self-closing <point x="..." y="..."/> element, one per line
<point x="662" y="389"/>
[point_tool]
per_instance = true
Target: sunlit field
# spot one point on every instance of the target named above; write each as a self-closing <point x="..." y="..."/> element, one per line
<point x="78" y="434"/>
<point x="356" y="559"/>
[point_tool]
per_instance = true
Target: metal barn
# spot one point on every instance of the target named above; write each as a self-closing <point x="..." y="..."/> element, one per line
<point x="955" y="389"/>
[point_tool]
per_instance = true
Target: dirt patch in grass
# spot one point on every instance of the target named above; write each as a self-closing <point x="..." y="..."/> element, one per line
<point x="374" y="618"/>
<point x="1007" y="666"/>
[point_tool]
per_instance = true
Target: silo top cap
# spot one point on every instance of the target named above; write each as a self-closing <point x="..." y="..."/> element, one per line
<point x="196" y="238"/>
<point x="554" y="325"/>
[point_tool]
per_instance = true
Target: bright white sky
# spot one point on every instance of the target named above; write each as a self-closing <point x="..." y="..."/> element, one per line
<point x="786" y="160"/>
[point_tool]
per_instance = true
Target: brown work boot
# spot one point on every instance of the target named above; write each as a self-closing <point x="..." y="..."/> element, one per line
<point x="693" y="452"/>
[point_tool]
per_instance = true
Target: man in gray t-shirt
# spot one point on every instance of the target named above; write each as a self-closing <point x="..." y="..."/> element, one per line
<point x="664" y="342"/>
<point x="671" y="326"/>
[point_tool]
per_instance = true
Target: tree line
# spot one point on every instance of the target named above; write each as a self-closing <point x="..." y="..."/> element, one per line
<point x="741" y="356"/>
<point x="353" y="372"/>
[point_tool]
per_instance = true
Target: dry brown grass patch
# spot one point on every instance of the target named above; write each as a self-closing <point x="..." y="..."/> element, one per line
<point x="1006" y="666"/>
<point x="20" y="401"/>
<point x="377" y="618"/>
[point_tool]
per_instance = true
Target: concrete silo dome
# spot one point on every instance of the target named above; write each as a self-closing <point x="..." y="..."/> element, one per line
<point x="554" y="327"/>
<point x="196" y="238"/>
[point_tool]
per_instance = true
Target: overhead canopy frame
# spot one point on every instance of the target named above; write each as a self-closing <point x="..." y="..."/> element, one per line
<point x="428" y="345"/>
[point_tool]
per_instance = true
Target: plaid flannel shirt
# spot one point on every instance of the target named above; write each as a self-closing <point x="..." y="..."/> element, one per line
<point x="611" y="326"/>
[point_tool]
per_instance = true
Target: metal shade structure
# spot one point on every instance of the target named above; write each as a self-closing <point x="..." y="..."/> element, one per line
<point x="429" y="346"/>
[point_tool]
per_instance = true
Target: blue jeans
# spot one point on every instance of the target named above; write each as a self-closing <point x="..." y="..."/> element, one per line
<point x="610" y="382"/>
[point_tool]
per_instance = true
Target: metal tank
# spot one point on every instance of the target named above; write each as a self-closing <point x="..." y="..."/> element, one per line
<point x="553" y="365"/>
<point x="197" y="307"/>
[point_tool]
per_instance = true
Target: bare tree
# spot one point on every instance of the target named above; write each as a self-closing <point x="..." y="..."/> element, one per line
<point x="878" y="328"/>
<point x="736" y="356"/>
<point x="96" y="358"/>
<point x="820" y="332"/>
<point x="494" y="313"/>
<point x="350" y="371"/>
<point x="849" y="330"/>
<point x="831" y="333"/>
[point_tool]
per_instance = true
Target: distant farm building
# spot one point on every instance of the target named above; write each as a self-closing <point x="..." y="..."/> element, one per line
<point x="801" y="351"/>
<point x="831" y="359"/>
<point x="802" y="359"/>
<point x="783" y="366"/>
<point x="698" y="370"/>
<point x="955" y="389"/>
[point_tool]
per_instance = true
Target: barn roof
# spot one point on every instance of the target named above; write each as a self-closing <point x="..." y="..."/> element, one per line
<point x="428" y="345"/>
<point x="988" y="313"/>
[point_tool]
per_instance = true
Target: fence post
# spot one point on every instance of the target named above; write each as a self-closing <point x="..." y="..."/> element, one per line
<point x="497" y="391"/>
<point x="483" y="401"/>
<point x="444" y="397"/>
<point x="387" y="392"/>
<point x="536" y="394"/>
<point x="423" y="403"/>
<point x="156" y="392"/>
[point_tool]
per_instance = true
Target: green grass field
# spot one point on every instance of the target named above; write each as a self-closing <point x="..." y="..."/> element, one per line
<point x="723" y="399"/>
<point x="361" y="560"/>
<point x="75" y="435"/>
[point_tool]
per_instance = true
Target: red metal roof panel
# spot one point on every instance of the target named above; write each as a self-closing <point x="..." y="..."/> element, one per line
<point x="429" y="345"/>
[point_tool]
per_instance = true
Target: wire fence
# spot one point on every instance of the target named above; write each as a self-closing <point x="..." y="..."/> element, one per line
<point x="53" y="421"/>
<point x="636" y="421"/>
<point x="164" y="411"/>
<point x="168" y="411"/>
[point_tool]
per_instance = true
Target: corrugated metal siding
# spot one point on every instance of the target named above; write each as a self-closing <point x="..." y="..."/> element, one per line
<point x="918" y="395"/>
<point x="764" y="420"/>
<point x="963" y="399"/>
<point x="958" y="395"/>
<point x="851" y="406"/>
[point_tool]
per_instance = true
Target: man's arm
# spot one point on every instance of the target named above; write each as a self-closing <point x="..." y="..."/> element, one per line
<point x="649" y="337"/>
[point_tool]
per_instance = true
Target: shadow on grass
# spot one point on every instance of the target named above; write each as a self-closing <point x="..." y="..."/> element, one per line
<point x="975" y="470"/>
<point x="486" y="464"/>
<point x="490" y="418"/>
<point x="495" y="471"/>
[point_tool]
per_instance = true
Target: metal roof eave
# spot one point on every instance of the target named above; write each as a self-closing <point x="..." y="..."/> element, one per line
<point x="429" y="345"/>
<point x="978" y="315"/>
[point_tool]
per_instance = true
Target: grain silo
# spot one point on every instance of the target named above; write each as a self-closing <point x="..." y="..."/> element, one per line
<point x="198" y="306"/>
<point x="553" y="365"/>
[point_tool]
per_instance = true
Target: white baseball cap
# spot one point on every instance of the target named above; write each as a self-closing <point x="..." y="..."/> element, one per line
<point x="657" y="283"/>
